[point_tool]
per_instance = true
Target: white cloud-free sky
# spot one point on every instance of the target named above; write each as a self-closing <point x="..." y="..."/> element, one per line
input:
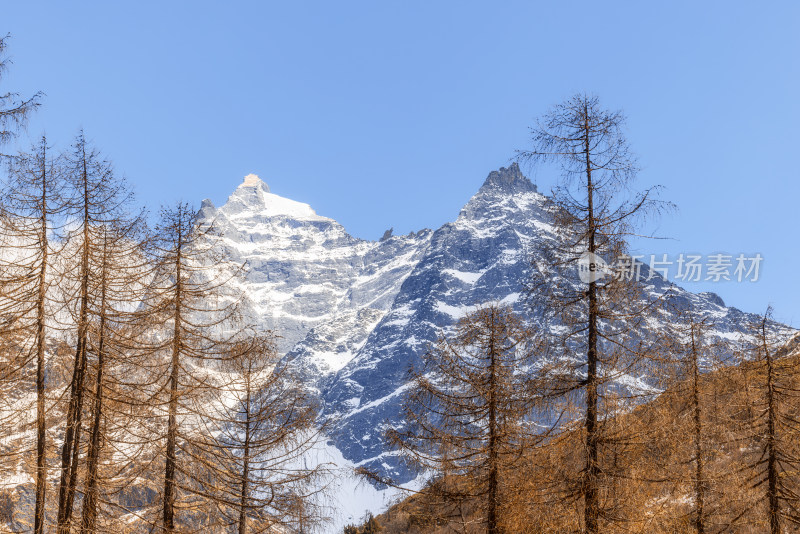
<point x="384" y="114"/>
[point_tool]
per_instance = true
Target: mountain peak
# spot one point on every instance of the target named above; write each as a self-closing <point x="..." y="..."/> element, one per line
<point x="253" y="198"/>
<point x="252" y="180"/>
<point x="509" y="179"/>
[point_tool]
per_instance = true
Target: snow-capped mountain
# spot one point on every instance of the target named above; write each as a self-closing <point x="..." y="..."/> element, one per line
<point x="355" y="314"/>
<point x="306" y="272"/>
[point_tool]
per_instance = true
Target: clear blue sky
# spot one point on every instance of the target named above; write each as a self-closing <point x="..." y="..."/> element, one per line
<point x="384" y="114"/>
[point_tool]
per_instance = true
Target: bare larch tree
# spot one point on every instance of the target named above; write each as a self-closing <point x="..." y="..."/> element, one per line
<point x="192" y="309"/>
<point x="32" y="208"/>
<point x="14" y="111"/>
<point x="99" y="199"/>
<point x="775" y="427"/>
<point x="257" y="438"/>
<point x="595" y="213"/>
<point x="120" y="275"/>
<point x="465" y="413"/>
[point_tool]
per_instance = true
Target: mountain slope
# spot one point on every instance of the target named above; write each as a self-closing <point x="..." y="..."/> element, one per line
<point x="355" y="314"/>
<point x="654" y="475"/>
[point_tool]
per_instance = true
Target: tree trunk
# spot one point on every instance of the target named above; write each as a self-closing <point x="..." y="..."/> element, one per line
<point x="245" y="466"/>
<point x="71" y="446"/>
<point x="41" y="436"/>
<point x="89" y="516"/>
<point x="699" y="481"/>
<point x="491" y="521"/>
<point x="772" y="462"/>
<point x="591" y="506"/>
<point x="172" y="428"/>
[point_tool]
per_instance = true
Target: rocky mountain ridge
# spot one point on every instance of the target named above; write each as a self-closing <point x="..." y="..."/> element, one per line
<point x="354" y="315"/>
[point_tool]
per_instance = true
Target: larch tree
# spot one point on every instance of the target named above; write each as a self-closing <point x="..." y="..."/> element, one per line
<point x="595" y="212"/>
<point x="257" y="441"/>
<point x="14" y="111"/>
<point x="691" y="350"/>
<point x="775" y="428"/>
<point x="119" y="279"/>
<point x="14" y="114"/>
<point x="89" y="513"/>
<point x="689" y="418"/>
<point x="466" y="411"/>
<point x="191" y="308"/>
<point x="98" y="199"/>
<point x="32" y="209"/>
<point x="726" y="430"/>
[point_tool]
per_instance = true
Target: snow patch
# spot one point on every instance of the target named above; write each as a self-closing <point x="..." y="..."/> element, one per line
<point x="333" y="360"/>
<point x="350" y="497"/>
<point x="465" y="276"/>
<point x="456" y="312"/>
